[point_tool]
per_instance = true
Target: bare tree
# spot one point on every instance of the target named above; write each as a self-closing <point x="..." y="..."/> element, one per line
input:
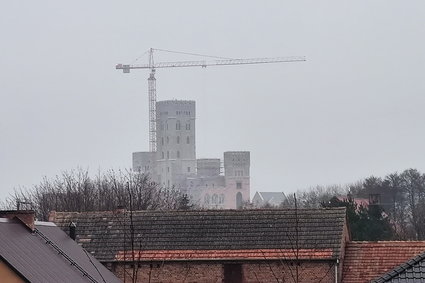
<point x="76" y="191"/>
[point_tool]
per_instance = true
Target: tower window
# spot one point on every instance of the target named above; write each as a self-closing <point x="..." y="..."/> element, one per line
<point x="162" y="140"/>
<point x="178" y="125"/>
<point x="168" y="140"/>
<point x="162" y="155"/>
<point x="239" y="185"/>
<point x="214" y="199"/>
<point x="188" y="169"/>
<point x="168" y="154"/>
<point x="168" y="169"/>
<point x="187" y="140"/>
<point x="221" y="199"/>
<point x="178" y="154"/>
<point x="188" y="126"/>
<point x="178" y="139"/>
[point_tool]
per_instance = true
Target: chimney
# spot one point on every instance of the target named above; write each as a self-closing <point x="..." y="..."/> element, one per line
<point x="120" y="209"/>
<point x="72" y="230"/>
<point x="25" y="216"/>
<point x="52" y="216"/>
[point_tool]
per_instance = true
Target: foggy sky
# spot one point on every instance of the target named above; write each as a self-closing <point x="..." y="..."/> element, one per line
<point x="354" y="109"/>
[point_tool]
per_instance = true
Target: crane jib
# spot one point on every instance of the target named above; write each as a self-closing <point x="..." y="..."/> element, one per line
<point x="202" y="63"/>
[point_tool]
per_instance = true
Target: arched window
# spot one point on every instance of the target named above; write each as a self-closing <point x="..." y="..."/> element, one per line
<point x="214" y="199"/>
<point x="221" y="199"/>
<point x="239" y="200"/>
<point x="178" y="125"/>
<point x="207" y="199"/>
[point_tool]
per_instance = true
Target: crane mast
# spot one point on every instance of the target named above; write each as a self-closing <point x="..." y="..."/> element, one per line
<point x="152" y="111"/>
<point x="152" y="81"/>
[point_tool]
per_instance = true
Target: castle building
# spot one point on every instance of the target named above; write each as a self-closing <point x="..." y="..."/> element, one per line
<point x="174" y="164"/>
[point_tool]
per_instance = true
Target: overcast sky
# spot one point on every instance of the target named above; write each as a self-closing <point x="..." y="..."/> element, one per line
<point x="354" y="109"/>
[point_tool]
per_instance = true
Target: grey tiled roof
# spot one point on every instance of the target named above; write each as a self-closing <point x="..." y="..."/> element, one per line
<point x="33" y="255"/>
<point x="106" y="233"/>
<point x="412" y="271"/>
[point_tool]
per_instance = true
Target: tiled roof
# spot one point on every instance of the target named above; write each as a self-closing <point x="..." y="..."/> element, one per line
<point x="47" y="254"/>
<point x="225" y="233"/>
<point x="409" y="272"/>
<point x="259" y="254"/>
<point x="366" y="261"/>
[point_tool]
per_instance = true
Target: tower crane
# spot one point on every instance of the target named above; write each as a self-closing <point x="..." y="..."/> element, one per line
<point x="202" y="63"/>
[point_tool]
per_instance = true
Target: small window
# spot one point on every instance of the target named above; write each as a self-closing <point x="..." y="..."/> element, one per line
<point x="232" y="273"/>
<point x="178" y="154"/>
<point x="207" y="199"/>
<point x="188" y="126"/>
<point x="168" y="155"/>
<point x="162" y="155"/>
<point x="166" y="126"/>
<point x="187" y="140"/>
<point x="168" y="169"/>
<point x="214" y="199"/>
<point x="162" y="140"/>
<point x="178" y="139"/>
<point x="168" y="182"/>
<point x="178" y="125"/>
<point x="168" y="140"/>
<point x="188" y="169"/>
<point x="239" y="185"/>
<point x="221" y="199"/>
<point x="238" y="200"/>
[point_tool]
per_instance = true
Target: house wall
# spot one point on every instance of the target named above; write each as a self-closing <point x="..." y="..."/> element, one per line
<point x="7" y="275"/>
<point x="252" y="272"/>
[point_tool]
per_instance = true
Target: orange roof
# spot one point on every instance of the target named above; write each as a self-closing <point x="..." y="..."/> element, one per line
<point x="365" y="261"/>
<point x="255" y="254"/>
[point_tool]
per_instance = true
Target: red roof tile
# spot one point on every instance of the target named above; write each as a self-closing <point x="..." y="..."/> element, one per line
<point x="303" y="254"/>
<point x="365" y="261"/>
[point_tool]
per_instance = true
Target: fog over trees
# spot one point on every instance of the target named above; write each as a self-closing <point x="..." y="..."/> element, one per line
<point x="378" y="208"/>
<point x="397" y="200"/>
<point x="76" y="191"/>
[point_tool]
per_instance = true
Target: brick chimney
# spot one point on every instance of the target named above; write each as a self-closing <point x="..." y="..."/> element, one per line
<point x="25" y="216"/>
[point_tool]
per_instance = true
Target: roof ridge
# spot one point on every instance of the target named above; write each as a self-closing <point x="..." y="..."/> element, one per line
<point x="220" y="211"/>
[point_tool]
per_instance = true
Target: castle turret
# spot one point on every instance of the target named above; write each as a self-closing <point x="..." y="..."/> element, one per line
<point x="176" y="156"/>
<point x="236" y="171"/>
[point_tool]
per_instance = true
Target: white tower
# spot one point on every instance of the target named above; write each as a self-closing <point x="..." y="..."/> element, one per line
<point x="236" y="171"/>
<point x="175" y="156"/>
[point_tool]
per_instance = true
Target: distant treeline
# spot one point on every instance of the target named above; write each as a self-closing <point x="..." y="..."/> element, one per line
<point x="397" y="199"/>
